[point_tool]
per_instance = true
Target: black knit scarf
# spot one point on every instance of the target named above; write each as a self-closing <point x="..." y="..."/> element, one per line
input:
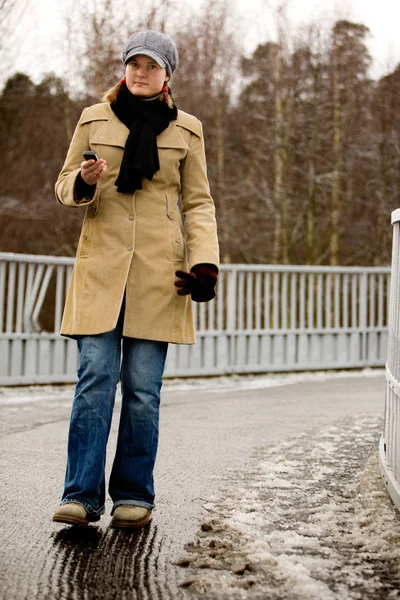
<point x="145" y="120"/>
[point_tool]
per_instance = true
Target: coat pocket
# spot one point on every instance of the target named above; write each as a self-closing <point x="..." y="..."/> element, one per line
<point x="86" y="239"/>
<point x="94" y="207"/>
<point x="169" y="207"/>
<point x="177" y="238"/>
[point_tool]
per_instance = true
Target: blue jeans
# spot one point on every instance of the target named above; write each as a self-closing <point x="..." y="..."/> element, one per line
<point x="141" y="370"/>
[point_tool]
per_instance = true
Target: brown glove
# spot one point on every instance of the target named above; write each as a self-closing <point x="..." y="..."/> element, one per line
<point x="200" y="282"/>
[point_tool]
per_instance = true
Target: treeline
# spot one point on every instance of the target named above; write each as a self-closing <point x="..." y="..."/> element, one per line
<point x="303" y="147"/>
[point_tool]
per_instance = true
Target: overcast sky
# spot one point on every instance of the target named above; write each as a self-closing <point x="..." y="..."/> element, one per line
<point x="39" y="32"/>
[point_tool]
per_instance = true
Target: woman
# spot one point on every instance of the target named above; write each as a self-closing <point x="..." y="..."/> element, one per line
<point x="148" y="246"/>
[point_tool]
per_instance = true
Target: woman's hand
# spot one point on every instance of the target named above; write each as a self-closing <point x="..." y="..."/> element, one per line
<point x="199" y="283"/>
<point x="92" y="170"/>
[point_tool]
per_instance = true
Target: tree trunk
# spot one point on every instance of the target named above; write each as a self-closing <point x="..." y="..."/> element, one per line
<point x="311" y="203"/>
<point x="220" y="183"/>
<point x="337" y="161"/>
<point x="278" y="164"/>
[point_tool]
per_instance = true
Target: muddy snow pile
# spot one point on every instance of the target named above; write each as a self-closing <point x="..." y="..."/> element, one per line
<point x="311" y="520"/>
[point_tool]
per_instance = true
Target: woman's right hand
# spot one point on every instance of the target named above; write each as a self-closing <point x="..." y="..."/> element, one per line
<point x="92" y="170"/>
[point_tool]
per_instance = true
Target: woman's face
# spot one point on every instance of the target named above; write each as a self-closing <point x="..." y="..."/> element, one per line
<point x="144" y="77"/>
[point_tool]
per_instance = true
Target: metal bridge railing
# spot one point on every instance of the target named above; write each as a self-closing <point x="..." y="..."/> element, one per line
<point x="389" y="450"/>
<point x="265" y="318"/>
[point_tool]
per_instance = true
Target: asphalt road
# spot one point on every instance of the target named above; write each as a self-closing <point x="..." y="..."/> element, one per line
<point x="208" y="432"/>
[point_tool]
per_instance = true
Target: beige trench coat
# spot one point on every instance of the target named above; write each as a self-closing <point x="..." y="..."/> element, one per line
<point x="136" y="242"/>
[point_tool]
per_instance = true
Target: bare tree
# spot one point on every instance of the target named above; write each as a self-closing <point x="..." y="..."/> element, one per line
<point x="10" y="14"/>
<point x="387" y="184"/>
<point x="98" y="31"/>
<point x="350" y="62"/>
<point x="303" y="148"/>
<point x="204" y="85"/>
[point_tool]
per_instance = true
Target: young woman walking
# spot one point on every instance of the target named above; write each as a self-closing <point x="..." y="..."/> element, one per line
<point x="148" y="247"/>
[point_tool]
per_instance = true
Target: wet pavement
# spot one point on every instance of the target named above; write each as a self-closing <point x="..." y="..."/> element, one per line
<point x="212" y="433"/>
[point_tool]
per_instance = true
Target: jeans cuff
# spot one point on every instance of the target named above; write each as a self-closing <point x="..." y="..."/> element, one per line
<point x="90" y="511"/>
<point x="132" y="503"/>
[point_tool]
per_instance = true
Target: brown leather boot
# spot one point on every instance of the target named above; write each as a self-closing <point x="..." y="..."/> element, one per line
<point x="128" y="515"/>
<point x="72" y="513"/>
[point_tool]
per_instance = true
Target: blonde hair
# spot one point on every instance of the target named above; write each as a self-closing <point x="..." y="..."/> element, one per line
<point x="112" y="94"/>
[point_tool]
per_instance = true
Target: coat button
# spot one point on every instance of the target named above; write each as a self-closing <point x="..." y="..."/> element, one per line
<point x="178" y="240"/>
<point x="131" y="217"/>
<point x="85" y="237"/>
<point x="130" y="247"/>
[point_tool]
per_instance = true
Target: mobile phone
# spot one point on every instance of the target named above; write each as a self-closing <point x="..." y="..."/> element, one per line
<point x="90" y="155"/>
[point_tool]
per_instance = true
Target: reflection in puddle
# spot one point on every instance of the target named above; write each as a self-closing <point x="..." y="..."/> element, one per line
<point x="92" y="562"/>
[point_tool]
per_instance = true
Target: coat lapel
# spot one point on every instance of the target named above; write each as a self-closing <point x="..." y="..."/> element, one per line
<point x="171" y="138"/>
<point x="114" y="133"/>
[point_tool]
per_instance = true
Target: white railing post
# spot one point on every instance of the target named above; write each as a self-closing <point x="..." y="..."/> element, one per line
<point x="389" y="447"/>
<point x="363" y="318"/>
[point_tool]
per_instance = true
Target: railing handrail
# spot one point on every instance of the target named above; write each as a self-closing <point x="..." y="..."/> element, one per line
<point x="37" y="258"/>
<point x="273" y="268"/>
<point x="395" y="216"/>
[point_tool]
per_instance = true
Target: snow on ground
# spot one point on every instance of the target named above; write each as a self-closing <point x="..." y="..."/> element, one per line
<point x="310" y="521"/>
<point x="35" y="393"/>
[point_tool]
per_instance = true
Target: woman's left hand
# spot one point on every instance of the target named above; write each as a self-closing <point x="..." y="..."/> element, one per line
<point x="200" y="282"/>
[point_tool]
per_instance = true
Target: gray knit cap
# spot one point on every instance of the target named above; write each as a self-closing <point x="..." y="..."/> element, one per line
<point x="154" y="44"/>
